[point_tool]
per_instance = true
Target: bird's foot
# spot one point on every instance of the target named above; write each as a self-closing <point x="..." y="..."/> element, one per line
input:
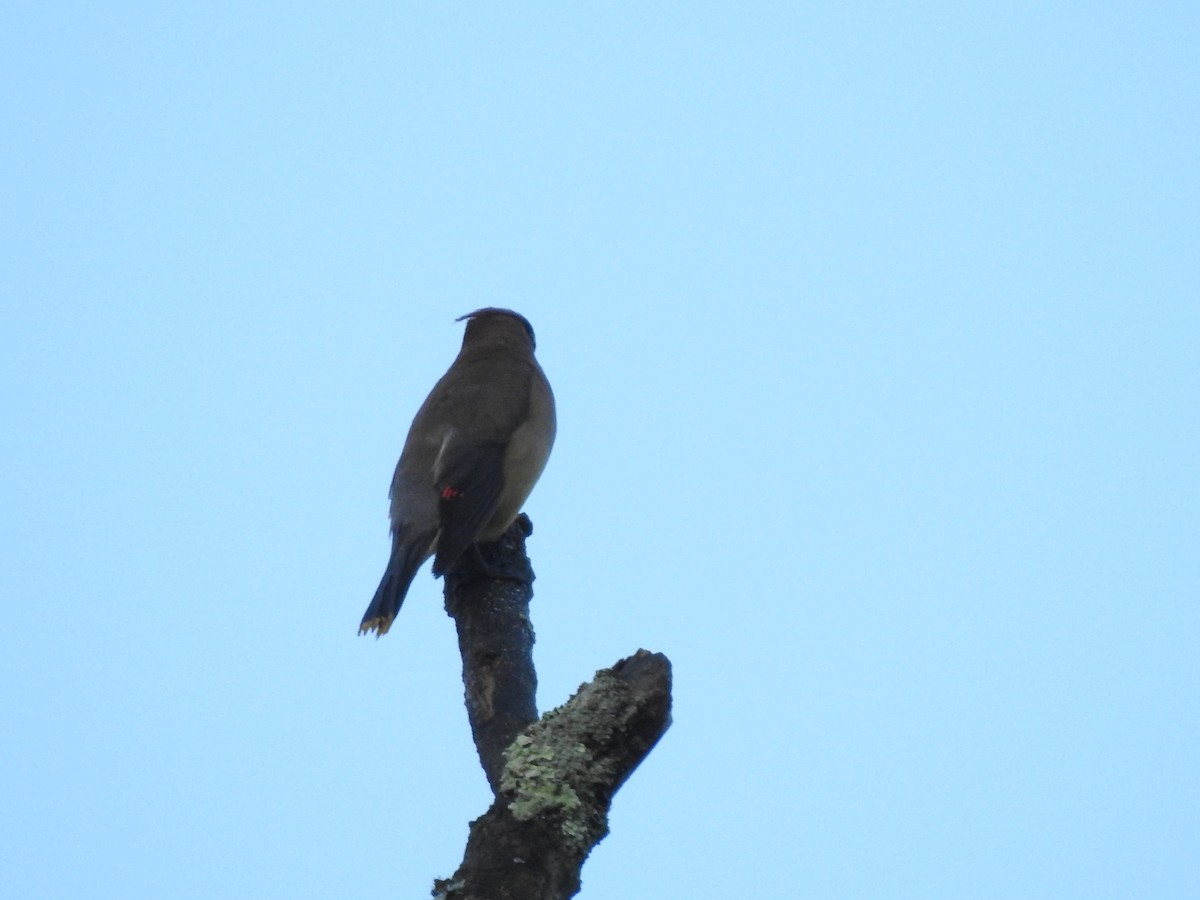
<point x="497" y="561"/>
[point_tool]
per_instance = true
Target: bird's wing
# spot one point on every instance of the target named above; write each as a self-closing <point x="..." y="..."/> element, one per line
<point x="469" y="480"/>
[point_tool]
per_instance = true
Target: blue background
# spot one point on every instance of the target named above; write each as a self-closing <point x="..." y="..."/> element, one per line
<point x="874" y="334"/>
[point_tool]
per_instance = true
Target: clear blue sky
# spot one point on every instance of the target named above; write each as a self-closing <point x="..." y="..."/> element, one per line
<point x="874" y="331"/>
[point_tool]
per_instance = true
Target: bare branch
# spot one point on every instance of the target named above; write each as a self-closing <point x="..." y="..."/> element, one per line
<point x="487" y="595"/>
<point x="554" y="778"/>
<point x="558" y="784"/>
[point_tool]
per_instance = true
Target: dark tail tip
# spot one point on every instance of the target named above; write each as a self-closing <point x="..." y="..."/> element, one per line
<point x="389" y="596"/>
<point x="382" y="609"/>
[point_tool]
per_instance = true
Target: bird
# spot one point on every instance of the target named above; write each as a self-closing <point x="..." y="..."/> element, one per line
<point x="474" y="451"/>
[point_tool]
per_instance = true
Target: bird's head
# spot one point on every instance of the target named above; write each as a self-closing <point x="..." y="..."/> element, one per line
<point x="492" y="320"/>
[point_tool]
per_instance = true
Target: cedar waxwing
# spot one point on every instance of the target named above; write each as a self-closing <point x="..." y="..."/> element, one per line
<point x="474" y="452"/>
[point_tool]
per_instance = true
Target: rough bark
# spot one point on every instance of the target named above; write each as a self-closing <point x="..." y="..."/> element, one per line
<point x="553" y="778"/>
<point x="487" y="594"/>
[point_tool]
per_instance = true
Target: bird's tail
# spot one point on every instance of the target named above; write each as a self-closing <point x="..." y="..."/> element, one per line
<point x="401" y="569"/>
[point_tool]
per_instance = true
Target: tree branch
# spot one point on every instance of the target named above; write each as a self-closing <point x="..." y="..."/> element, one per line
<point x="487" y="594"/>
<point x="554" y="778"/>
